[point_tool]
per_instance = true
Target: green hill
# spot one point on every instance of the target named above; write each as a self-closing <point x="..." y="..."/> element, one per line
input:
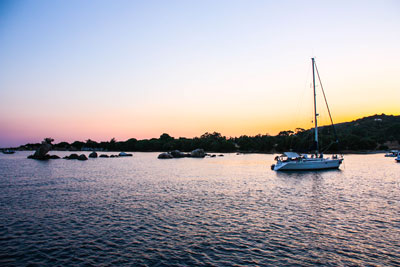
<point x="370" y="133"/>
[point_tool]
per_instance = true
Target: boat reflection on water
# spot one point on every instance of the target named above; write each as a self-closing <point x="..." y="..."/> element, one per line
<point x="301" y="174"/>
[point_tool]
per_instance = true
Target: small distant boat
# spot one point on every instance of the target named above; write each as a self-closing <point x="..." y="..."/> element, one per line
<point x="123" y="154"/>
<point x="8" y="151"/>
<point x="392" y="153"/>
<point x="291" y="161"/>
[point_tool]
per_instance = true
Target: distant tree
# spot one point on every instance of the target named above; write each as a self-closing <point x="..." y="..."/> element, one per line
<point x="62" y="145"/>
<point x="78" y="145"/>
<point x="165" y="137"/>
<point x="383" y="147"/>
<point x="213" y="135"/>
<point x="130" y="145"/>
<point x="91" y="144"/>
<point x="285" y="133"/>
<point x="112" y="144"/>
<point x="48" y="140"/>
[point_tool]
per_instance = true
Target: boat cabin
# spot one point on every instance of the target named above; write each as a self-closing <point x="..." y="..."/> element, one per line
<point x="289" y="156"/>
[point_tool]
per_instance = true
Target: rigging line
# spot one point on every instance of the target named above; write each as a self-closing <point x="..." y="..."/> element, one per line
<point x="327" y="106"/>
<point x="329" y="146"/>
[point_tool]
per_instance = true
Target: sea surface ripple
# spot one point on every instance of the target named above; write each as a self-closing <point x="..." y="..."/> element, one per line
<point x="224" y="211"/>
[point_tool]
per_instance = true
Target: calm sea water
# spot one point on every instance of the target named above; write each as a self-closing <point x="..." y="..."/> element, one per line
<point x="223" y="211"/>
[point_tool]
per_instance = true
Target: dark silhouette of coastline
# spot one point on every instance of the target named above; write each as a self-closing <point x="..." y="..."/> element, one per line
<point x="377" y="132"/>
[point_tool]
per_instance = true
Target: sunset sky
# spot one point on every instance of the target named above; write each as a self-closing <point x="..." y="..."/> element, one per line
<point x="74" y="70"/>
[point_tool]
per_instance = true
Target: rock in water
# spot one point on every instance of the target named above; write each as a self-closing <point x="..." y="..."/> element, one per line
<point x="103" y="156"/>
<point x="198" y="153"/>
<point x="93" y="155"/>
<point x="44" y="148"/>
<point x="165" y="155"/>
<point x="177" y="154"/>
<point x="45" y="157"/>
<point x="75" y="156"/>
<point x="41" y="152"/>
<point x="82" y="157"/>
<point x="72" y="156"/>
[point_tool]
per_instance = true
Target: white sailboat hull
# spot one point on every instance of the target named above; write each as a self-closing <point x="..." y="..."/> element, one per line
<point x="310" y="164"/>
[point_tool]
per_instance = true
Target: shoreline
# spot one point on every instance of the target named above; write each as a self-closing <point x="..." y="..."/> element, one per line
<point x="347" y="152"/>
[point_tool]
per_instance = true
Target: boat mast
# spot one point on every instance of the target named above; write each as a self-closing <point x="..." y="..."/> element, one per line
<point x="315" y="108"/>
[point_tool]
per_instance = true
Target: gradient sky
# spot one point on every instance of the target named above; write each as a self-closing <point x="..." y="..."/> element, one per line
<point x="74" y="70"/>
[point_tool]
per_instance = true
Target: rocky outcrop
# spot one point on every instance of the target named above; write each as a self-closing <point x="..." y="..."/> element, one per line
<point x="41" y="152"/>
<point x="165" y="155"/>
<point x="198" y="153"/>
<point x="44" y="148"/>
<point x="179" y="154"/>
<point x="82" y="157"/>
<point x="76" y="156"/>
<point x="72" y="156"/>
<point x="173" y="154"/>
<point x="93" y="155"/>
<point x="45" y="157"/>
<point x="103" y="156"/>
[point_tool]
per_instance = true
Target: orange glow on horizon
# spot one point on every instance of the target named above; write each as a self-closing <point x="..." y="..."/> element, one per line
<point x="104" y="129"/>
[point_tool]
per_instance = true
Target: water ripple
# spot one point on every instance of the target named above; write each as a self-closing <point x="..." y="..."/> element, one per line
<point x="228" y="211"/>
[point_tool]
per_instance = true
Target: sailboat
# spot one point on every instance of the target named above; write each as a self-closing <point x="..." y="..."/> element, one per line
<point x="292" y="161"/>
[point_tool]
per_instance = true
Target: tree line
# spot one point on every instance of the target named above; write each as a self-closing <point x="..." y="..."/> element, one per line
<point x="369" y="133"/>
